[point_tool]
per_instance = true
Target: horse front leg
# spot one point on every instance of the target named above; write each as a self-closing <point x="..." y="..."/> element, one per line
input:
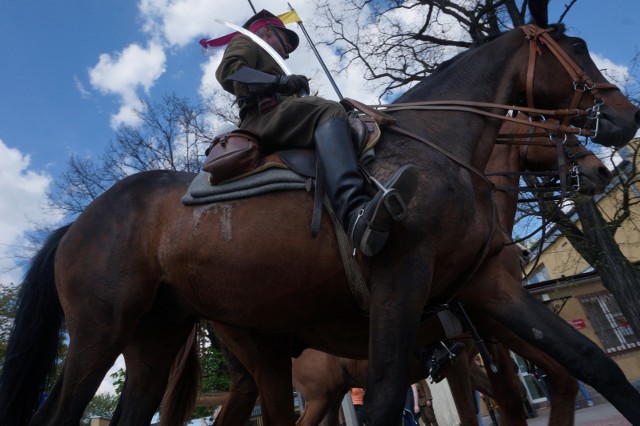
<point x="397" y="297"/>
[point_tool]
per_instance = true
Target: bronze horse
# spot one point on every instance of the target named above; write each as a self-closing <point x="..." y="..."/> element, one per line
<point x="324" y="379"/>
<point x="136" y="264"/>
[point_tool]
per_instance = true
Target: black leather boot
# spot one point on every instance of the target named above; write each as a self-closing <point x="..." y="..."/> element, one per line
<point x="367" y="220"/>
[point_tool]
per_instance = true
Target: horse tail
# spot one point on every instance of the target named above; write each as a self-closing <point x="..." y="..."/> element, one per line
<point x="182" y="387"/>
<point x="33" y="343"/>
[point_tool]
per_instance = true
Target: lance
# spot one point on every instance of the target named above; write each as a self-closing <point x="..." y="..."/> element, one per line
<point x="252" y="8"/>
<point x="313" y="47"/>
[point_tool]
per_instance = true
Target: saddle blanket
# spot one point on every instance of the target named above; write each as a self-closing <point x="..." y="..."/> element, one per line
<point x="200" y="191"/>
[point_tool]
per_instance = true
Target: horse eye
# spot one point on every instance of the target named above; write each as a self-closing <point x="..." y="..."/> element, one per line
<point x="579" y="45"/>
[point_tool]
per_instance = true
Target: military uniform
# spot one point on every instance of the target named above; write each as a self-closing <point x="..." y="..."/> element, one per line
<point x="289" y="124"/>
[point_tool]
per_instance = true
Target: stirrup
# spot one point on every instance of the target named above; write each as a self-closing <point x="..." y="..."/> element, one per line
<point x="391" y="199"/>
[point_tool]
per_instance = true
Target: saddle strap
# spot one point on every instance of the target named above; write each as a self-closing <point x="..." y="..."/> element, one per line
<point x="357" y="284"/>
<point x="450" y="323"/>
<point x="318" y="196"/>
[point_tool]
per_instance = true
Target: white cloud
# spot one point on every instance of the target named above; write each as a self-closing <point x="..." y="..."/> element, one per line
<point x="22" y="194"/>
<point x="615" y="73"/>
<point x="126" y="72"/>
<point x="126" y="115"/>
<point x="80" y="87"/>
<point x="181" y="22"/>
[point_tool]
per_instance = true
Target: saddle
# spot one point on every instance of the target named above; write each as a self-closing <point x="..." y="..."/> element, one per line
<point x="365" y="133"/>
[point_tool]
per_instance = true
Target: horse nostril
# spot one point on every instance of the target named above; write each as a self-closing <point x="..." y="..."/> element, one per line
<point x="604" y="173"/>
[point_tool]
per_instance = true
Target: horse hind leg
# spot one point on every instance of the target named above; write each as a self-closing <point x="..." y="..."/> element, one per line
<point x="243" y="392"/>
<point x="582" y="358"/>
<point x="321" y="380"/>
<point x="98" y="334"/>
<point x="84" y="368"/>
<point x="505" y="383"/>
<point x="564" y="387"/>
<point x="267" y="358"/>
<point x="158" y="351"/>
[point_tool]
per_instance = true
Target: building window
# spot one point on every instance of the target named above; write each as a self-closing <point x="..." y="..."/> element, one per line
<point x="539" y="275"/>
<point x="610" y="325"/>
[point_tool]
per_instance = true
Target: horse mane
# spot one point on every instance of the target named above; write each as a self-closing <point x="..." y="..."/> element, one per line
<point x="557" y="30"/>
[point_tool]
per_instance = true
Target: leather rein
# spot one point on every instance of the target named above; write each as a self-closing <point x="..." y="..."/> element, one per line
<point x="568" y="170"/>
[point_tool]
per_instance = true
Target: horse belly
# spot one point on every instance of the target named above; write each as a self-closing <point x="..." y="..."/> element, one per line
<point x="255" y="265"/>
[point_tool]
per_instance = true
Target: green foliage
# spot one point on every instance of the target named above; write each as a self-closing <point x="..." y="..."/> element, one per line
<point x="102" y="405"/>
<point x="118" y="380"/>
<point x="215" y="377"/>
<point x="214" y="373"/>
<point x="8" y="303"/>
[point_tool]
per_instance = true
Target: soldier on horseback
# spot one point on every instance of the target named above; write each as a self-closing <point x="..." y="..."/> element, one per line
<point x="270" y="104"/>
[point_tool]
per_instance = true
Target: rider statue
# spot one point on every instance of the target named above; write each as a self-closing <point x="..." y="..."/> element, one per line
<point x="274" y="105"/>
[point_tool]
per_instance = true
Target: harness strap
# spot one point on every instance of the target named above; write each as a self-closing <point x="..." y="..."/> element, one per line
<point x="373" y="112"/>
<point x="316" y="217"/>
<point x="450" y="323"/>
<point x="482" y="348"/>
<point x="562" y="166"/>
<point x="465" y="106"/>
<point x="531" y="68"/>
<point x="357" y="283"/>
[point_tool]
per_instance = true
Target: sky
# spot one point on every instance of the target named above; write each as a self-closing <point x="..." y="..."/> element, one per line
<point x="70" y="72"/>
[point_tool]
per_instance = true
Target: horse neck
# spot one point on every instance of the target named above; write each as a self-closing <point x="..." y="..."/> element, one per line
<point x="472" y="77"/>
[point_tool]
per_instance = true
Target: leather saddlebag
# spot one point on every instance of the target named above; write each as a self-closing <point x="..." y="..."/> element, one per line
<point x="231" y="154"/>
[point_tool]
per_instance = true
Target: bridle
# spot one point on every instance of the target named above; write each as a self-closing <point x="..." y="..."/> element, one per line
<point x="582" y="83"/>
<point x="565" y="180"/>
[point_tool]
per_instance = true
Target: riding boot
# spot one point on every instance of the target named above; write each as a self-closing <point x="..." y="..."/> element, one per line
<point x="367" y="220"/>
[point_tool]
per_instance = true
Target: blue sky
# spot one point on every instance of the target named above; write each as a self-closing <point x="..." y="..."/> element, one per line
<point x="49" y="108"/>
<point x="70" y="70"/>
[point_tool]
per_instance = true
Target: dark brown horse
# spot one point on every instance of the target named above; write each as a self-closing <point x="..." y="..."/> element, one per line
<point x="137" y="264"/>
<point x="324" y="379"/>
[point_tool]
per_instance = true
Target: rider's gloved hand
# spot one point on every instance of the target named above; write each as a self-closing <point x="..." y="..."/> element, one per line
<point x="293" y="85"/>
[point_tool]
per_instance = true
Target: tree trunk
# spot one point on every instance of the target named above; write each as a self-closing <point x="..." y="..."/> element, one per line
<point x="596" y="244"/>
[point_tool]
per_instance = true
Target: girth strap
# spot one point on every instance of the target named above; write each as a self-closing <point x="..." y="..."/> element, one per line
<point x="357" y="283"/>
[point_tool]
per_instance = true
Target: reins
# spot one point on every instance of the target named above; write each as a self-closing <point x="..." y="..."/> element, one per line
<point x="566" y="169"/>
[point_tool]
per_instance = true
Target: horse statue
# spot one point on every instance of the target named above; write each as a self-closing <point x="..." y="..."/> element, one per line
<point x="323" y="379"/>
<point x="137" y="264"/>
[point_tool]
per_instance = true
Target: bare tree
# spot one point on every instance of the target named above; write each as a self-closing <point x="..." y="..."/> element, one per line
<point x="172" y="134"/>
<point x="399" y="42"/>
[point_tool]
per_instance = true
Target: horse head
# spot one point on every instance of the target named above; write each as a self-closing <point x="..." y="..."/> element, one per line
<point x="582" y="169"/>
<point x="557" y="61"/>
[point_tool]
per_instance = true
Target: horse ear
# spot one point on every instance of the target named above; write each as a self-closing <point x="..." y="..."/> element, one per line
<point x="539" y="12"/>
